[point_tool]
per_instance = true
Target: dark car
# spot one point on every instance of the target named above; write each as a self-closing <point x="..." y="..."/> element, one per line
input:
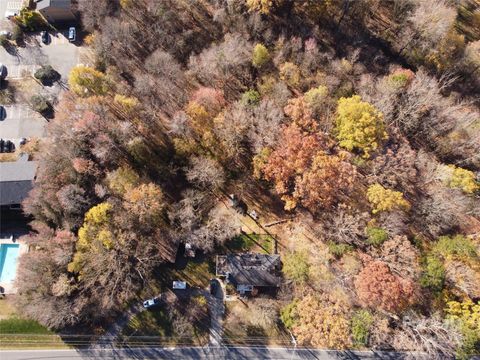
<point x="72" y="34"/>
<point x="9" y="146"/>
<point x="45" y="37"/>
<point x="3" y="71"/>
<point x="2" y="145"/>
<point x="3" y="113"/>
<point x="213" y="286"/>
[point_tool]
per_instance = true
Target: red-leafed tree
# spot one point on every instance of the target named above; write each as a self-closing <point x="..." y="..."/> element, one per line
<point x="377" y="287"/>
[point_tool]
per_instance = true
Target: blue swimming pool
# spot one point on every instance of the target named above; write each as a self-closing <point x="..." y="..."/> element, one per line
<point x="8" y="261"/>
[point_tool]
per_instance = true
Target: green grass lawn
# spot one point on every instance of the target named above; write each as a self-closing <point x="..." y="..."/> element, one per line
<point x="20" y="333"/>
<point x="262" y="243"/>
<point x="149" y="323"/>
<point x="15" y="325"/>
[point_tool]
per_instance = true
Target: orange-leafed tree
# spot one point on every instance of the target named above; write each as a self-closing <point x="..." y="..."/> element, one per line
<point x="329" y="177"/>
<point x="322" y="322"/>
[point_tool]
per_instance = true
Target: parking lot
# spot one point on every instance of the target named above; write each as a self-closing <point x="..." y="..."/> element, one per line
<point x="21" y="121"/>
<point x="59" y="53"/>
<point x="22" y="62"/>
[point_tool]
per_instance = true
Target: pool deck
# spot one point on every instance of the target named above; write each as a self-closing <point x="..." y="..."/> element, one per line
<point x="9" y="287"/>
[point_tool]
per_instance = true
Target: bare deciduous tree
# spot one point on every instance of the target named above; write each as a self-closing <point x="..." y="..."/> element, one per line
<point x="429" y="335"/>
<point x="205" y="173"/>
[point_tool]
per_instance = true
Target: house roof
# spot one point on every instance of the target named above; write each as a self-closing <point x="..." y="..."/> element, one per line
<point x="250" y="269"/>
<point x="16" y="180"/>
<point x="42" y="4"/>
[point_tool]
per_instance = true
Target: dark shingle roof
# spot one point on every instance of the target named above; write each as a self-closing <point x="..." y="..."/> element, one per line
<point x="16" y="180"/>
<point x="250" y="269"/>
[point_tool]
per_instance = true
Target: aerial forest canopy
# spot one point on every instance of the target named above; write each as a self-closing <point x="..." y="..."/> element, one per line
<point x="357" y="120"/>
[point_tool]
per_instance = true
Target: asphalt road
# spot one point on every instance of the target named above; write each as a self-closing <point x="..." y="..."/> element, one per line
<point x="231" y="353"/>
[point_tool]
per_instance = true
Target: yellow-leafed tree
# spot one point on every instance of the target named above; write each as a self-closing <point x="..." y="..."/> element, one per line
<point x="359" y="125"/>
<point x="385" y="199"/>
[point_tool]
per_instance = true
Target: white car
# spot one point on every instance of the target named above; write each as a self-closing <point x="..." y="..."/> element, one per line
<point x="72" y="34"/>
<point x="179" y="285"/>
<point x="151" y="302"/>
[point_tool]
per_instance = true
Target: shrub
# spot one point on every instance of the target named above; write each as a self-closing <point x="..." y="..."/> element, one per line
<point x="385" y="199"/>
<point x="376" y="236"/>
<point x="433" y="275"/>
<point x="17" y="34"/>
<point x="46" y="74"/>
<point x="31" y="20"/>
<point x="40" y="104"/>
<point x="359" y="125"/>
<point x="362" y="320"/>
<point x="296" y="267"/>
<point x="338" y="250"/>
<point x="250" y="98"/>
<point x="457" y="246"/>
<point x="289" y="315"/>
<point x="260" y="55"/>
<point x="3" y="40"/>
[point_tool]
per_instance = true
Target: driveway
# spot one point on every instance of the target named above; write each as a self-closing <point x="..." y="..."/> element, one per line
<point x="216" y="307"/>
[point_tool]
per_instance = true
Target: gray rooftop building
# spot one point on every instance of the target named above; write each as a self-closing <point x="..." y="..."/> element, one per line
<point x="56" y="11"/>
<point x="249" y="271"/>
<point x="16" y="181"/>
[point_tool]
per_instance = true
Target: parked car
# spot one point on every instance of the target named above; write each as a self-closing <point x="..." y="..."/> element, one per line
<point x="72" y="34"/>
<point x="45" y="37"/>
<point x="9" y="14"/>
<point x="22" y="141"/>
<point x="150" y="303"/>
<point x="3" y="71"/>
<point x="213" y="286"/>
<point x="3" y="113"/>
<point x="179" y="285"/>
<point x="2" y="144"/>
<point x="9" y="146"/>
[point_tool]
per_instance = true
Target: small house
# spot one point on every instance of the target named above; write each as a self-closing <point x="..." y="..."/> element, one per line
<point x="16" y="181"/>
<point x="250" y="273"/>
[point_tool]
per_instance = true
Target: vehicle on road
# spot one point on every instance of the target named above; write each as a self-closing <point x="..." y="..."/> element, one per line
<point x="72" y="34"/>
<point x="45" y="37"/>
<point x="22" y="141"/>
<point x="151" y="303"/>
<point x="3" y="113"/>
